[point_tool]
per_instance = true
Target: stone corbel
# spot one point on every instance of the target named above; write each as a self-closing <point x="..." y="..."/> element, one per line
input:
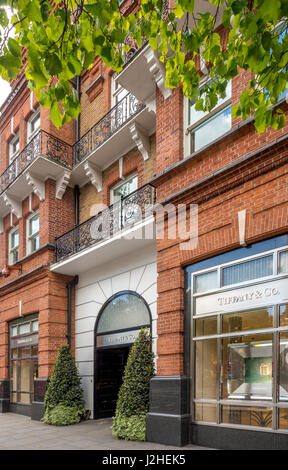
<point x="61" y="184"/>
<point x="15" y="205"/>
<point x="38" y="186"/>
<point x="242" y="227"/>
<point x="141" y="139"/>
<point x="157" y="69"/>
<point x="94" y="175"/>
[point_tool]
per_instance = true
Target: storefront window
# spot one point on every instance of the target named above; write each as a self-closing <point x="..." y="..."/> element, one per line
<point x="23" y="360"/>
<point x="240" y="343"/>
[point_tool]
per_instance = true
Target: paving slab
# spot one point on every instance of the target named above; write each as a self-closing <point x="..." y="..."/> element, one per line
<point x="18" y="432"/>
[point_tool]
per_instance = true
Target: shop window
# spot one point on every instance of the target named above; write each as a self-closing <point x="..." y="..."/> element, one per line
<point x="248" y="320"/>
<point x="258" y="416"/>
<point x="283" y="369"/>
<point x="33" y="125"/>
<point x="33" y="233"/>
<point x="14" y="147"/>
<point x="206" y="369"/>
<point x="284" y="315"/>
<point x="206" y="281"/>
<point x="283" y="262"/>
<point x="13" y="246"/>
<point x="249" y="270"/>
<point x="23" y="361"/>
<point x="203" y="127"/>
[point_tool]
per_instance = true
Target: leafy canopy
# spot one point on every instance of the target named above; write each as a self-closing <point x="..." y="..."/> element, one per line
<point x="63" y="38"/>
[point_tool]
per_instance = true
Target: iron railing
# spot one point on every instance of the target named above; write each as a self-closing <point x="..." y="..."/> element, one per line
<point x="106" y="224"/>
<point x="119" y="115"/>
<point x="42" y="144"/>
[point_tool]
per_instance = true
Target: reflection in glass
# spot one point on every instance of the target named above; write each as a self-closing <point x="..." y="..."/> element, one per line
<point x="123" y="312"/>
<point x="205" y="412"/>
<point x="25" y="328"/>
<point x="211" y="129"/>
<point x="206" y="281"/>
<point x="206" y="326"/>
<point x="248" y="320"/>
<point x="283" y="262"/>
<point x="283" y="367"/>
<point x="284" y="315"/>
<point x="247" y="368"/>
<point x="206" y="369"/>
<point x="283" y="418"/>
<point x="247" y="415"/>
<point x="254" y="269"/>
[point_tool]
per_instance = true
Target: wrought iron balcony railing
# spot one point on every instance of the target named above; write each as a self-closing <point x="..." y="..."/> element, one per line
<point x="42" y="144"/>
<point x="106" y="224"/>
<point x="119" y="115"/>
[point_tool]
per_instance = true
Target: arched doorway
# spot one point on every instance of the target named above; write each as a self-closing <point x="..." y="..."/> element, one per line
<point x="118" y="324"/>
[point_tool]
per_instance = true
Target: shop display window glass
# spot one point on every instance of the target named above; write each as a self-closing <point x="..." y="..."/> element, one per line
<point x="206" y="369"/>
<point x="283" y="262"/>
<point x="247" y="415"/>
<point x="206" y="281"/>
<point x="283" y="367"/>
<point x="206" y="326"/>
<point x="283" y="315"/>
<point x="248" y="320"/>
<point x="23" y="361"/>
<point x="253" y="269"/>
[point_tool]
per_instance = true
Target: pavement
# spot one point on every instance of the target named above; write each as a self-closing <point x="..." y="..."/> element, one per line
<point x="18" y="432"/>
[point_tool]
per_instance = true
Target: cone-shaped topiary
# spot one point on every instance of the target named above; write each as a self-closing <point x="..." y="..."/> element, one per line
<point x="133" y="399"/>
<point x="64" y="388"/>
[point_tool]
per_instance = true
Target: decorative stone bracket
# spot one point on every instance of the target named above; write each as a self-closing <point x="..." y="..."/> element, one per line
<point x="157" y="69"/>
<point x="37" y="184"/>
<point x="94" y="174"/>
<point x="15" y="205"/>
<point x="141" y="139"/>
<point x="61" y="183"/>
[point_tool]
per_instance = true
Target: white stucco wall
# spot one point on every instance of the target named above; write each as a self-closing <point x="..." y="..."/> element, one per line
<point x="136" y="272"/>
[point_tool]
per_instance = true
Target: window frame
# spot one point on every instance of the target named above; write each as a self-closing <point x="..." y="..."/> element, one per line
<point x="13" y="249"/>
<point x="189" y="128"/>
<point x="34" y="117"/>
<point x="31" y="237"/>
<point x="14" y="154"/>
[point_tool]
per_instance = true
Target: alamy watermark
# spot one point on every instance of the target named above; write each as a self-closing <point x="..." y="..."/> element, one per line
<point x="172" y="222"/>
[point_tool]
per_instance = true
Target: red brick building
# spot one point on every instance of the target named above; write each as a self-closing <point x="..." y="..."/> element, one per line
<point x="215" y="299"/>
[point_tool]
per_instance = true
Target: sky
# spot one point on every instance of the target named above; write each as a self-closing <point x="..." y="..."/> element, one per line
<point x="4" y="90"/>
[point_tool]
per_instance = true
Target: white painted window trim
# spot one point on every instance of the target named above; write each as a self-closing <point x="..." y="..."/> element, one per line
<point x="15" y="248"/>
<point x="115" y="92"/>
<point x="29" y="238"/>
<point x="13" y="155"/>
<point x="30" y="133"/>
<point x="186" y="108"/>
<point x="117" y="185"/>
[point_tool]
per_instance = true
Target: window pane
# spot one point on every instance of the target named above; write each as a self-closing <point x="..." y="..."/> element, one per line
<point x="247" y="415"/>
<point x="206" y="326"/>
<point x="195" y="116"/>
<point x="205" y="412"/>
<point x="35" y="325"/>
<point x="35" y="123"/>
<point x="34" y="244"/>
<point x="283" y="367"/>
<point x="206" y="281"/>
<point x="247" y="368"/>
<point x="206" y="369"/>
<point x="124" y="311"/>
<point x="248" y="320"/>
<point x="14" y="331"/>
<point x="211" y="129"/>
<point x="284" y="315"/>
<point x="25" y="328"/>
<point x="125" y="189"/>
<point x="249" y="270"/>
<point x="283" y="262"/>
<point x="283" y="418"/>
<point x="34" y="225"/>
<point x="14" y="239"/>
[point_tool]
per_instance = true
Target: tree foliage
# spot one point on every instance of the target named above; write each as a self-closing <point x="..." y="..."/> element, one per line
<point x="63" y="38"/>
<point x="133" y="399"/>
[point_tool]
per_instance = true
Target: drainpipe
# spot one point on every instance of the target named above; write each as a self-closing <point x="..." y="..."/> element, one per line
<point x="70" y="286"/>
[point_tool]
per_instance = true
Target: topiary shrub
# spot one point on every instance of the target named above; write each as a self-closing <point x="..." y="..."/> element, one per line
<point x="132" y="405"/>
<point x="64" y="388"/>
<point x="62" y="415"/>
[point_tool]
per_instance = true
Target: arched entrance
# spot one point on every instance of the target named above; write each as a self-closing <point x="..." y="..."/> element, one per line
<point x="118" y="324"/>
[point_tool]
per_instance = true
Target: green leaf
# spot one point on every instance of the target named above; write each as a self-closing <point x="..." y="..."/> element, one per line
<point x="53" y="65"/>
